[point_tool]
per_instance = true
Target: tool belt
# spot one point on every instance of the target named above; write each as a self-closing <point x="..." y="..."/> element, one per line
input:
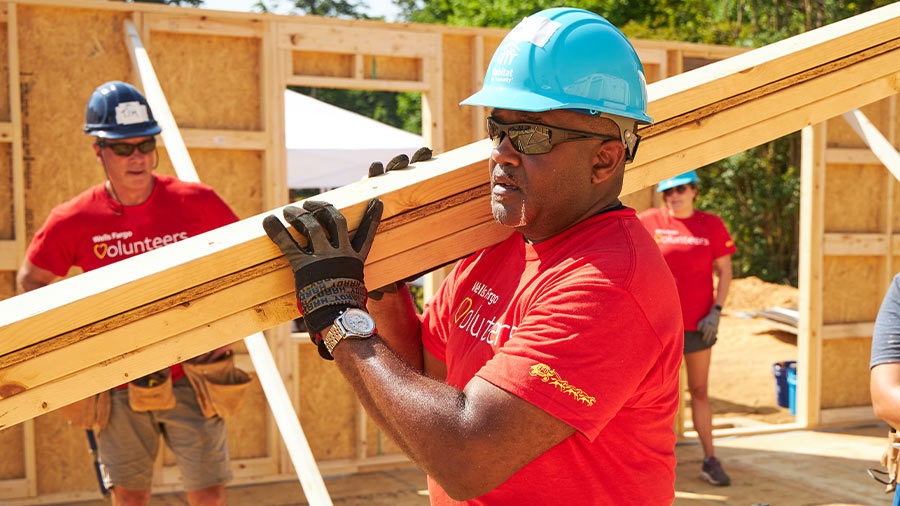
<point x="890" y="459"/>
<point x="89" y="413"/>
<point x="152" y="392"/>
<point x="219" y="385"/>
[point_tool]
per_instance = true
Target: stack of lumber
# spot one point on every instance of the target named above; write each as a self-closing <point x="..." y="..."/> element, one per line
<point x="103" y="328"/>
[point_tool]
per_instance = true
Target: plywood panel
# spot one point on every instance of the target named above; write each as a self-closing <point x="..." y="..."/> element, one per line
<point x="7" y="284"/>
<point x="7" y="214"/>
<point x="392" y="68"/>
<point x="640" y="200"/>
<point x="856" y="198"/>
<point x="840" y="134"/>
<point x="236" y="175"/>
<point x="62" y="455"/>
<point x="845" y="372"/>
<point x="54" y="98"/>
<point x="327" y="408"/>
<point x="458" y="80"/>
<point x="378" y="441"/>
<point x="221" y="89"/>
<point x="853" y="288"/>
<point x="247" y="431"/>
<point x="307" y="63"/>
<point x="4" y="73"/>
<point x="12" y="465"/>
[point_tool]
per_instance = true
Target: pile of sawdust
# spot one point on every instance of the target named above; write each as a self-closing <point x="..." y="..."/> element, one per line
<point x="752" y="293"/>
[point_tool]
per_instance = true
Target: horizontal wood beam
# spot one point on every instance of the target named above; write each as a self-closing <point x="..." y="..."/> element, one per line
<point x="844" y="330"/>
<point x="9" y="255"/>
<point x="354" y="83"/>
<point x="211" y="281"/>
<point x="847" y="416"/>
<point x="203" y="25"/>
<point x="862" y="156"/>
<point x="837" y="244"/>
<point x="6" y="131"/>
<point x="360" y="40"/>
<point x="223" y="139"/>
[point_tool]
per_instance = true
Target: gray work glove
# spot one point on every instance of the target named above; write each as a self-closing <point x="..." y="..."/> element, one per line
<point x="709" y="326"/>
<point x="328" y="272"/>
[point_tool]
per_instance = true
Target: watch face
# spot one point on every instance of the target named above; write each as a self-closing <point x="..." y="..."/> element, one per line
<point x="358" y="322"/>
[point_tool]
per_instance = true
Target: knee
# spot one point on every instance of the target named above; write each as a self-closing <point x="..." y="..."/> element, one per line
<point x="129" y="497"/>
<point x="211" y="496"/>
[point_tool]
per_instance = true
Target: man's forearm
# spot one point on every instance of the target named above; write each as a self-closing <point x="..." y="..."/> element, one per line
<point x="396" y="319"/>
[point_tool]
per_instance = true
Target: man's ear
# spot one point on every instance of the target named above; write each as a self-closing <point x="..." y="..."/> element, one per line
<point x="610" y="157"/>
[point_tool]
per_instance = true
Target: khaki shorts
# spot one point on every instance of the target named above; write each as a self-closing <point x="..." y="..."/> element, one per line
<point x="129" y="444"/>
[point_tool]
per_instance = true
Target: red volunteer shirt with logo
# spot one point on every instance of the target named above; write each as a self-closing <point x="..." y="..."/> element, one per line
<point x="585" y="326"/>
<point x="93" y="230"/>
<point x="690" y="245"/>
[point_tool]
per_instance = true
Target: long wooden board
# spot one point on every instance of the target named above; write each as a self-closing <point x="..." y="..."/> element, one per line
<point x="212" y="289"/>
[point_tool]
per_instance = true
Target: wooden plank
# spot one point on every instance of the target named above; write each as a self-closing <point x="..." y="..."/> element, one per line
<point x="775" y="62"/>
<point x="855" y="244"/>
<point x="812" y="231"/>
<point x="879" y="145"/>
<point x="361" y="40"/>
<point x="175" y="147"/>
<point x="223" y="139"/>
<point x="351" y="83"/>
<point x="15" y="113"/>
<point x="204" y="25"/>
<point x="6" y="131"/>
<point x="13" y="489"/>
<point x="848" y="416"/>
<point x="860" y="156"/>
<point x="842" y="330"/>
<point x="162" y="274"/>
<point x="9" y="255"/>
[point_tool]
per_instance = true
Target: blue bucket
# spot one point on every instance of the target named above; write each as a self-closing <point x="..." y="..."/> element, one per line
<point x="792" y="388"/>
<point x="782" y="389"/>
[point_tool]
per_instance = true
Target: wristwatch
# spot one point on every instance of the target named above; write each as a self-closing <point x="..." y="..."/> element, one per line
<point x="351" y="324"/>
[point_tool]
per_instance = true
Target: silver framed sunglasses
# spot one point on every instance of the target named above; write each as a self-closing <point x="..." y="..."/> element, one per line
<point x="535" y="138"/>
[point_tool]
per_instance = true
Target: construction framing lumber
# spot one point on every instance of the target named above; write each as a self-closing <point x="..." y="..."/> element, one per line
<point x="214" y="288"/>
<point x="879" y="145"/>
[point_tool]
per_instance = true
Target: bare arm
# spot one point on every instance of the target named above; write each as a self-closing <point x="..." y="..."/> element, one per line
<point x="884" y="386"/>
<point x="31" y="277"/>
<point x="469" y="441"/>
<point x="723" y="269"/>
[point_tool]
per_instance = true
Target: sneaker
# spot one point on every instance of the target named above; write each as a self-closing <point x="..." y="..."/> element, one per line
<point x="713" y="473"/>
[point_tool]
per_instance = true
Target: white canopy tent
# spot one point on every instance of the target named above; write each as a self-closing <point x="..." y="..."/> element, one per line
<point x="329" y="147"/>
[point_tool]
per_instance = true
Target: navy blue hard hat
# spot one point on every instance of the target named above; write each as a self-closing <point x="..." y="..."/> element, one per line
<point x="117" y="110"/>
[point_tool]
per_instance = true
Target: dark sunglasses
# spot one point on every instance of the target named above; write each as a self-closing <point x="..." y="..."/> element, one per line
<point x="125" y="149"/>
<point x="535" y="138"/>
<point x="676" y="189"/>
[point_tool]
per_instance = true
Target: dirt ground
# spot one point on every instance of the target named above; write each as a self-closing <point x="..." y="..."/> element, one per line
<point x="741" y="381"/>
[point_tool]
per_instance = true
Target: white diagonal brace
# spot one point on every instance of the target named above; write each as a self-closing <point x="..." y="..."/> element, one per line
<point x="880" y="146"/>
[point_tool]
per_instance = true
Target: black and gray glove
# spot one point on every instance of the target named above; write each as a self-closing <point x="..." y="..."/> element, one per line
<point x="709" y="326"/>
<point x="328" y="272"/>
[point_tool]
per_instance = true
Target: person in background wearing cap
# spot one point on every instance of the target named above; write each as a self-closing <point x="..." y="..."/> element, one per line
<point x="545" y="369"/>
<point x="693" y="243"/>
<point x="133" y="211"/>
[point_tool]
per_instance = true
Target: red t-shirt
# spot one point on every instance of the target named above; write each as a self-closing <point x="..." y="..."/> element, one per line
<point x="93" y="230"/>
<point x="582" y="326"/>
<point x="690" y="245"/>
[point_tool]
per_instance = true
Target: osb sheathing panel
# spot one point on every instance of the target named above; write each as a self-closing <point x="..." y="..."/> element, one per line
<point x="7" y="287"/>
<point x="392" y="68"/>
<point x="236" y="175"/>
<point x="248" y="430"/>
<point x="895" y="266"/>
<point x="62" y="456"/>
<point x="841" y="134"/>
<point x="845" y="372"/>
<point x="54" y="97"/>
<point x="640" y="200"/>
<point x="327" y="409"/>
<point x="209" y="81"/>
<point x="7" y="227"/>
<point x="12" y="442"/>
<point x="458" y="84"/>
<point x="855" y="197"/>
<point x="379" y="442"/>
<point x="308" y="63"/>
<point x="854" y="288"/>
<point x="4" y="72"/>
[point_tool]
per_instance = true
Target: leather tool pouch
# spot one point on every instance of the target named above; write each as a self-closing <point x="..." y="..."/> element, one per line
<point x="219" y="385"/>
<point x="152" y="392"/>
<point x="90" y="413"/>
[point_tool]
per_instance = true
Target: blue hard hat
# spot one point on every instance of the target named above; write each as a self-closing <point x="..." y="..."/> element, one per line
<point x="687" y="177"/>
<point x="566" y="58"/>
<point x="117" y="110"/>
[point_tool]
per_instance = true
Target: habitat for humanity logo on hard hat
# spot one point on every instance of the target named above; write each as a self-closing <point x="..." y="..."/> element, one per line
<point x="535" y="30"/>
